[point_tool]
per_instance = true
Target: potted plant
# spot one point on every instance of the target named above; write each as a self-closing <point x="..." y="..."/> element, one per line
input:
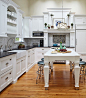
<point x="48" y="26"/>
<point x="68" y="20"/>
<point x="45" y="25"/>
<point x="52" y="20"/>
<point x="72" y="25"/>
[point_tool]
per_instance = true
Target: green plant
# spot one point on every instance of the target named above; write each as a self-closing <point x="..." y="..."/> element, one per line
<point x="48" y="25"/>
<point x="71" y="24"/>
<point x="68" y="15"/>
<point x="45" y="24"/>
<point x="60" y="42"/>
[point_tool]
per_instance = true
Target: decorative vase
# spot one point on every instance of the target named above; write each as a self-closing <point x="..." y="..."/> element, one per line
<point x="61" y="46"/>
<point x="52" y="27"/>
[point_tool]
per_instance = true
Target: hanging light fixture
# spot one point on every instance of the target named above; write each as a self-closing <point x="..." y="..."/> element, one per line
<point x="62" y="25"/>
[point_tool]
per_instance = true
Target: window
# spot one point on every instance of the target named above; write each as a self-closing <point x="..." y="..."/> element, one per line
<point x="19" y="39"/>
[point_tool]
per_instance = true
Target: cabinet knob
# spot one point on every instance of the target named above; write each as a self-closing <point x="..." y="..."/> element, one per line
<point x="10" y="59"/>
<point x="7" y="64"/>
<point x="6" y="78"/>
<point x="21" y="60"/>
<point x="10" y="73"/>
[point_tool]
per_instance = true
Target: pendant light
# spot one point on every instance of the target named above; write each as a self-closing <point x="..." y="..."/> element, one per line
<point x="62" y="25"/>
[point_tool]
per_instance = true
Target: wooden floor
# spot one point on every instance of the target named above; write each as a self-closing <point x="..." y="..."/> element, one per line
<point x="61" y="85"/>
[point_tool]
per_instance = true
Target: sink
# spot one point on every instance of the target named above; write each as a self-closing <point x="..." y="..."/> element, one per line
<point x="20" y="53"/>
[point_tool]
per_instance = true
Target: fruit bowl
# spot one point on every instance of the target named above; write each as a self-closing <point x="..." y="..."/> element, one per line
<point x="63" y="50"/>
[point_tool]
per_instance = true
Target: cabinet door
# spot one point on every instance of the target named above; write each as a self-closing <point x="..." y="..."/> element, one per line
<point x="30" y="27"/>
<point x="78" y="20"/>
<point x="3" y="18"/>
<point x="19" y="25"/>
<point x="81" y="41"/>
<point x="45" y="39"/>
<point x="18" y="68"/>
<point x="23" y="64"/>
<point x="41" y="24"/>
<point x="29" y="61"/>
<point x="35" y="24"/>
<point x="84" y="20"/>
<point x="25" y="27"/>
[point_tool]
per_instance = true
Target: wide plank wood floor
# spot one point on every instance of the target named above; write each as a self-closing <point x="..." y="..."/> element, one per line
<point x="61" y="85"/>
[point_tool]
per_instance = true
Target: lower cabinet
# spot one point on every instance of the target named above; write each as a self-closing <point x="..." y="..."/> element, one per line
<point x="20" y="66"/>
<point x="6" y="71"/>
<point x="40" y="53"/>
<point x="30" y="58"/>
<point x="6" y="79"/>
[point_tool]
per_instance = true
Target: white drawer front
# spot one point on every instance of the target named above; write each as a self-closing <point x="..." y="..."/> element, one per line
<point x="6" y="79"/>
<point x="6" y="64"/>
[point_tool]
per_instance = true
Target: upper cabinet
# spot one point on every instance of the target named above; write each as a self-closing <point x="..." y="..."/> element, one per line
<point x="27" y="27"/>
<point x="37" y="23"/>
<point x="19" y="33"/>
<point x="11" y="20"/>
<point x="3" y="18"/>
<point x="80" y="19"/>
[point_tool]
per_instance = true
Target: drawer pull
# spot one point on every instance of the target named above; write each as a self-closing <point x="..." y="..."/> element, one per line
<point x="28" y="56"/>
<point x="10" y="73"/>
<point x="7" y="64"/>
<point x="10" y="59"/>
<point x="42" y="49"/>
<point x="6" y="78"/>
<point x="21" y="60"/>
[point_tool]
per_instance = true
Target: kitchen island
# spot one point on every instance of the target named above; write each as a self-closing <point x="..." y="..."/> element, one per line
<point x="73" y="57"/>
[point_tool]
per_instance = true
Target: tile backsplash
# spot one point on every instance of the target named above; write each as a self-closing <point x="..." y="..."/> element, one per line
<point x="11" y="42"/>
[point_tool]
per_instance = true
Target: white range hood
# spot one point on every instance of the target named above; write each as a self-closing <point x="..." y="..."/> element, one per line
<point x="59" y="30"/>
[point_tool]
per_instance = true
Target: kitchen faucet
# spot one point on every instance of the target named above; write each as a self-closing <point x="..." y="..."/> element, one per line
<point x="10" y="46"/>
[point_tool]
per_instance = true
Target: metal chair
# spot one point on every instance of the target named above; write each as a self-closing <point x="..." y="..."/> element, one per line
<point x="82" y="65"/>
<point x="40" y="69"/>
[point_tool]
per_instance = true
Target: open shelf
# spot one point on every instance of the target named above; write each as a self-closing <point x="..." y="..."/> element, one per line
<point x="11" y="20"/>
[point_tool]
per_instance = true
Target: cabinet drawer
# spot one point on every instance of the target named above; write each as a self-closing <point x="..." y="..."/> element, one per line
<point x="6" y="64"/>
<point x="42" y="49"/>
<point x="6" y="79"/>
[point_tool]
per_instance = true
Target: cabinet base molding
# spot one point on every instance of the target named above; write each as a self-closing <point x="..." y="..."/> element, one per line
<point x="30" y="67"/>
<point x="14" y="81"/>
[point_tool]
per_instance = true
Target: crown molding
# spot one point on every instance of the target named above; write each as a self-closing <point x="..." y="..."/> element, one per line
<point x="79" y="15"/>
<point x="5" y="1"/>
<point x="13" y="3"/>
<point x="20" y="11"/>
<point x="37" y="16"/>
<point x="58" y="9"/>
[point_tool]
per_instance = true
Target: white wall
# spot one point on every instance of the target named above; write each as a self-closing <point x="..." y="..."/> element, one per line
<point x="24" y="6"/>
<point x="37" y="7"/>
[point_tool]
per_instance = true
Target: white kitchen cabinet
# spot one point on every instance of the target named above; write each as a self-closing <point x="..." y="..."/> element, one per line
<point x="27" y="27"/>
<point x="3" y="18"/>
<point x="80" y="19"/>
<point x="20" y="66"/>
<point x="12" y="19"/>
<point x="81" y="41"/>
<point x="46" y="18"/>
<point x="39" y="53"/>
<point x="19" y="33"/>
<point x="37" y="23"/>
<point x="72" y="39"/>
<point x="30" y="58"/>
<point x="6" y="71"/>
<point x="23" y="64"/>
<point x="45" y="39"/>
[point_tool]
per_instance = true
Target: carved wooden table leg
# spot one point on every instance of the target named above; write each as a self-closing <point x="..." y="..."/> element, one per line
<point x="46" y="74"/>
<point x="77" y="72"/>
